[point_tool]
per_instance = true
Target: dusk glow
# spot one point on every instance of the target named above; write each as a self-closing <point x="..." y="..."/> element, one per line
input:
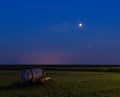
<point x="59" y="32"/>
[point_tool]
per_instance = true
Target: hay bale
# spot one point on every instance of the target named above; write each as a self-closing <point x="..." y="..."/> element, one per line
<point x="33" y="74"/>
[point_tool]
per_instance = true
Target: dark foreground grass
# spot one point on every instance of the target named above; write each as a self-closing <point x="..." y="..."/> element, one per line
<point x="63" y="84"/>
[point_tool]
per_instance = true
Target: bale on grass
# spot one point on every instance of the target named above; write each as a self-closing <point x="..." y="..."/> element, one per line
<point x="33" y="74"/>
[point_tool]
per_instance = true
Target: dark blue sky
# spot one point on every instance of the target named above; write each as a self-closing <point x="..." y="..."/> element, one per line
<point x="48" y="32"/>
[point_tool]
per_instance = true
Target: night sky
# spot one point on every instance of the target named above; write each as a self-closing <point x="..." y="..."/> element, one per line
<point x="48" y="32"/>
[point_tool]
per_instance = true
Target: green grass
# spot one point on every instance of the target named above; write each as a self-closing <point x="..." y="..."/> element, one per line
<point x="63" y="84"/>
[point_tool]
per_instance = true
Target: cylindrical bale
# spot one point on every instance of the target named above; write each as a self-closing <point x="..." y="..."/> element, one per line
<point x="33" y="74"/>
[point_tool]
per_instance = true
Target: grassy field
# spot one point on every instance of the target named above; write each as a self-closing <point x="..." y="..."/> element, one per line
<point x="63" y="84"/>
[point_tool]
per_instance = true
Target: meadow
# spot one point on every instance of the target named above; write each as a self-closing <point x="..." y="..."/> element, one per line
<point x="63" y="84"/>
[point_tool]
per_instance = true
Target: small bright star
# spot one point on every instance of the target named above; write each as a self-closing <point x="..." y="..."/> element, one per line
<point x="89" y="47"/>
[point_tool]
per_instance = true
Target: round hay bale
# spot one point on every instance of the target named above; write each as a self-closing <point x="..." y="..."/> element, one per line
<point x="33" y="74"/>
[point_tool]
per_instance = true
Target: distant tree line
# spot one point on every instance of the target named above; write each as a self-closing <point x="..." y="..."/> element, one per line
<point x="96" y="68"/>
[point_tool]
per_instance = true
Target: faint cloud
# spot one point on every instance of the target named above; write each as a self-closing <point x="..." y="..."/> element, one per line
<point x="64" y="27"/>
<point x="58" y="29"/>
